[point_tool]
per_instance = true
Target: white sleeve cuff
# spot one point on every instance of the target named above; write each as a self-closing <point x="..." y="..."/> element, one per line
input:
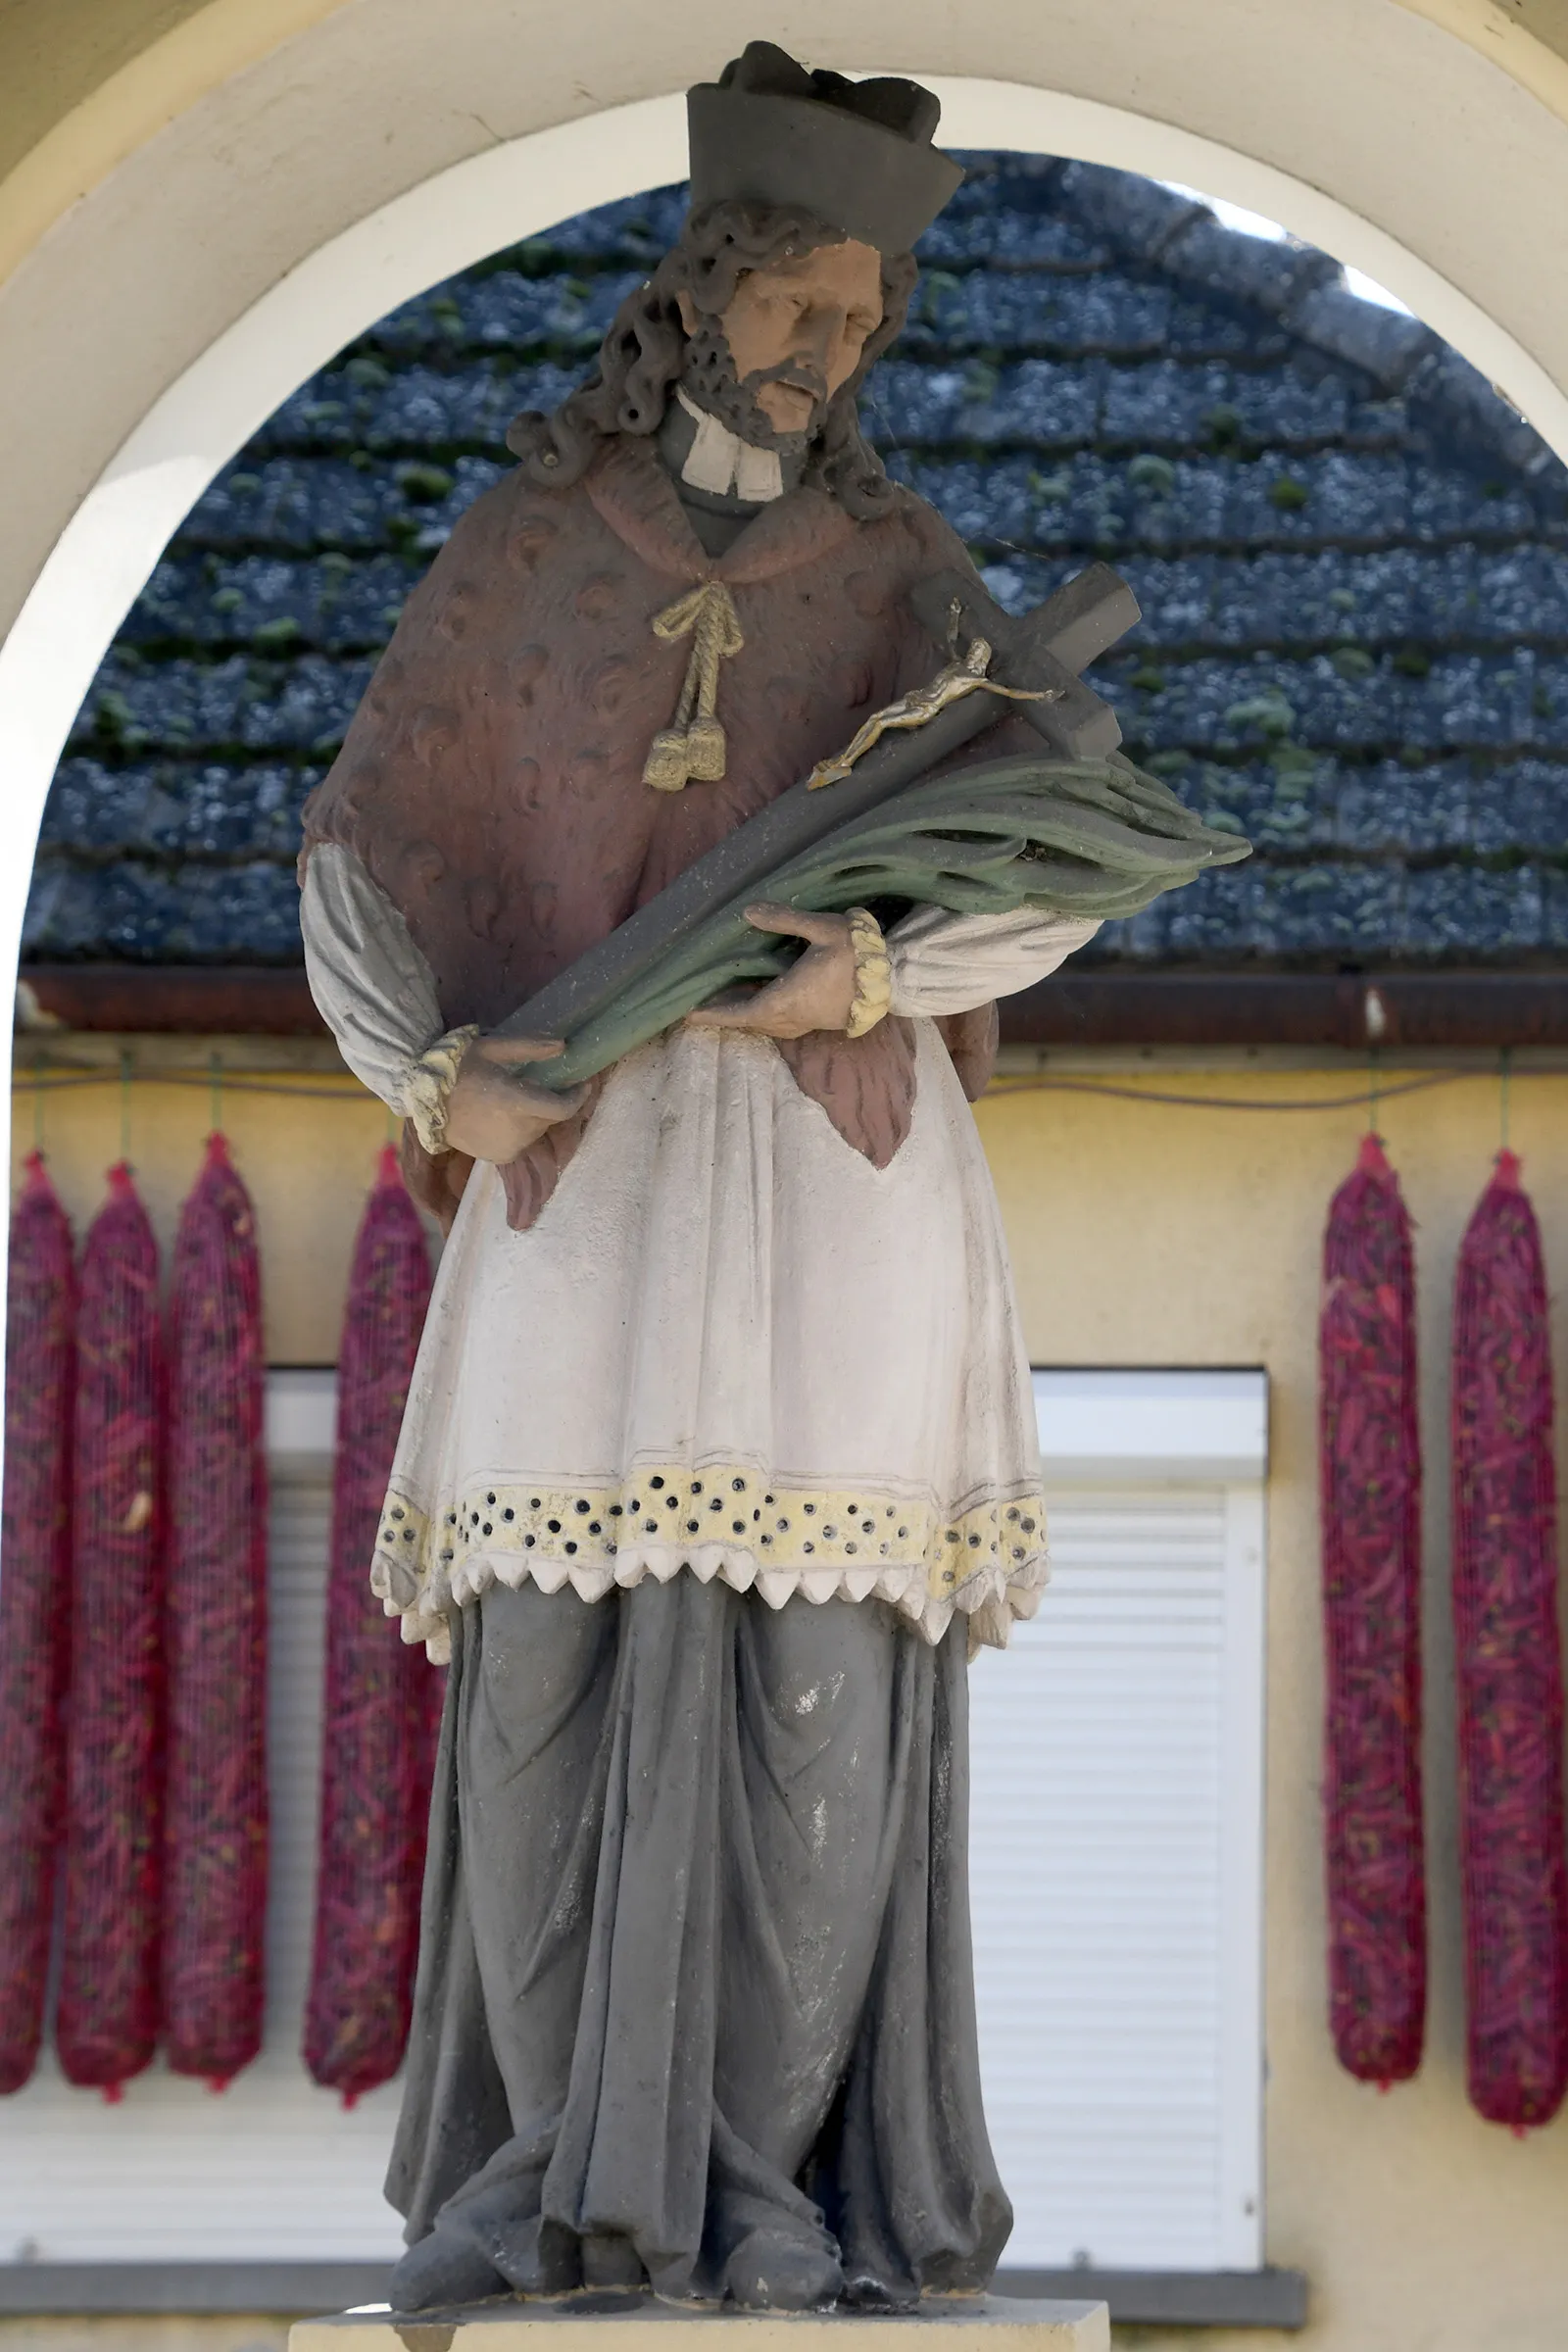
<point x="377" y="993"/>
<point x="946" y="963"/>
<point x="428" y="1083"/>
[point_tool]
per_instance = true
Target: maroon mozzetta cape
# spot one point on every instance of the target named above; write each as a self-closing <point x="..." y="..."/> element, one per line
<point x="492" y="780"/>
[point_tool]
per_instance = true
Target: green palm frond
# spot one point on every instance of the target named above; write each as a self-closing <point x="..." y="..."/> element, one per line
<point x="1093" y="836"/>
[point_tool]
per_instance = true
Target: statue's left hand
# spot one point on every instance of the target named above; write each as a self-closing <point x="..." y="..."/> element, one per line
<point x="817" y="993"/>
<point x="492" y="1114"/>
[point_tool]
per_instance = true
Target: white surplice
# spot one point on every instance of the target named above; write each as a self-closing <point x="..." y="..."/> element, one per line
<point x="728" y="1344"/>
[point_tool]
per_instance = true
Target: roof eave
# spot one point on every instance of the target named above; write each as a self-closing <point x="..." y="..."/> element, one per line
<point x="1450" y="1009"/>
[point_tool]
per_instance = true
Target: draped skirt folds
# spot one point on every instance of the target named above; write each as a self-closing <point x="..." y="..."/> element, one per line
<point x="695" y="1977"/>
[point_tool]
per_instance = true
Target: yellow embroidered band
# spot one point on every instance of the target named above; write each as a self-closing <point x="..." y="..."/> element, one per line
<point x="429" y="1084"/>
<point x="803" y="1529"/>
<point x="873" y="972"/>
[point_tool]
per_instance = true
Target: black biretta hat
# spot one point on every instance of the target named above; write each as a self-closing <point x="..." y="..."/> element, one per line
<point x="858" y="154"/>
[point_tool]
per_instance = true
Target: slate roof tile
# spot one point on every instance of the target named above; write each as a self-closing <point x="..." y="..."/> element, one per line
<point x="635" y="228"/>
<point x="1456" y="911"/>
<point x="1045" y="403"/>
<point x="136" y="913"/>
<point x="1108" y="312"/>
<point x="301" y="504"/>
<point x="1437" y="595"/>
<point x="324" y="601"/>
<point x="222" y="810"/>
<point x="419" y="409"/>
<point x="1337" y="500"/>
<point x="1142" y="217"/>
<point x="508" y="310"/>
<point x="1385" y="343"/>
<point x="1454" y="399"/>
<point x="1203" y="330"/>
<point x="1521" y="805"/>
<point x="1248" y="271"/>
<point x="256" y="702"/>
<point x="1390" y="808"/>
<point x="1013" y="238"/>
<point x="1341" y="914"/>
<point x="1463" y="701"/>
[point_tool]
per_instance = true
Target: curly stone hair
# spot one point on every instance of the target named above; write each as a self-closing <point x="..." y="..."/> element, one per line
<point x="642" y="356"/>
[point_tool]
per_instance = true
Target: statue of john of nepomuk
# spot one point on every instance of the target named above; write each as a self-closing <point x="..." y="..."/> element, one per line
<point x="719" y="1455"/>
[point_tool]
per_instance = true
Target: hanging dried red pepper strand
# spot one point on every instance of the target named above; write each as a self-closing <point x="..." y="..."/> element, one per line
<point x="105" y="2025"/>
<point x="34" y="1606"/>
<point x="379" y="1723"/>
<point x="1370" y="1488"/>
<point x="214" y="1804"/>
<point x="1513" y="1869"/>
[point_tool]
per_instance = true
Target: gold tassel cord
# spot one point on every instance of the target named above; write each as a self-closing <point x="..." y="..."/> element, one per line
<point x="692" y="748"/>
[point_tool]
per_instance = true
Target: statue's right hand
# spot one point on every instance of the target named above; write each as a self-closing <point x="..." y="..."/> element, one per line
<point x="492" y="1114"/>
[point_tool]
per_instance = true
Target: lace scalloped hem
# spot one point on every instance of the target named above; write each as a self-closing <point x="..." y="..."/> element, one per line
<point x="986" y="1562"/>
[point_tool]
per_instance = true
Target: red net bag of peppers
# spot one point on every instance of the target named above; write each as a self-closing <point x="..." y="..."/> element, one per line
<point x="1370" y="1488"/>
<point x="105" y="2024"/>
<point x="34" y="1606"/>
<point x="214" y="1804"/>
<point x="1514" y="1870"/>
<point x="381" y="1697"/>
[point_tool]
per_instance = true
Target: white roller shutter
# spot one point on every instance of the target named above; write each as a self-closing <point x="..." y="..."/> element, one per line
<point x="1115" y="1872"/>
<point x="272" y="2168"/>
<point x="1116" y="1836"/>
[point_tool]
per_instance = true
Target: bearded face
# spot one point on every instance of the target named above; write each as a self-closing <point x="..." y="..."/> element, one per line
<point x="791" y="336"/>
<point x="714" y="382"/>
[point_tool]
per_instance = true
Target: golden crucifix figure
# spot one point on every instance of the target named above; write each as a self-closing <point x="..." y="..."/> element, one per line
<point x="921" y="705"/>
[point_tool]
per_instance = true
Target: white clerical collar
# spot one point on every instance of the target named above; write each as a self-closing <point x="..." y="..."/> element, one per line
<point x="722" y="463"/>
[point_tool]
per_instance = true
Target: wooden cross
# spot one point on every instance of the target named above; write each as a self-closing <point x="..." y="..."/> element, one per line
<point x="1043" y="648"/>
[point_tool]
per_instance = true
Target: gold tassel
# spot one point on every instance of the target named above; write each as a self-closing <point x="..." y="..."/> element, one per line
<point x="691" y="750"/>
<point x="665" y="767"/>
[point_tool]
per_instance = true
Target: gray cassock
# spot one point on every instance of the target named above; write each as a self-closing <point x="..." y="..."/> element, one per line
<point x="695" y="1995"/>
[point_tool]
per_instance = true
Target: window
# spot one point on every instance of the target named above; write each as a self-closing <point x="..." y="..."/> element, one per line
<point x="1116" y="1834"/>
<point x="1116" y="1874"/>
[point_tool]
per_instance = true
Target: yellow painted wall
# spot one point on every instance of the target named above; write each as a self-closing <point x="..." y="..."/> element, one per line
<point x="55" y="55"/>
<point x="1153" y="1235"/>
<point x="242" y="2332"/>
<point x="308" y="1165"/>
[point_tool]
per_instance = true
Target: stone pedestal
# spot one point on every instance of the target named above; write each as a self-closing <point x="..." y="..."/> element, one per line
<point x="604" y="2324"/>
